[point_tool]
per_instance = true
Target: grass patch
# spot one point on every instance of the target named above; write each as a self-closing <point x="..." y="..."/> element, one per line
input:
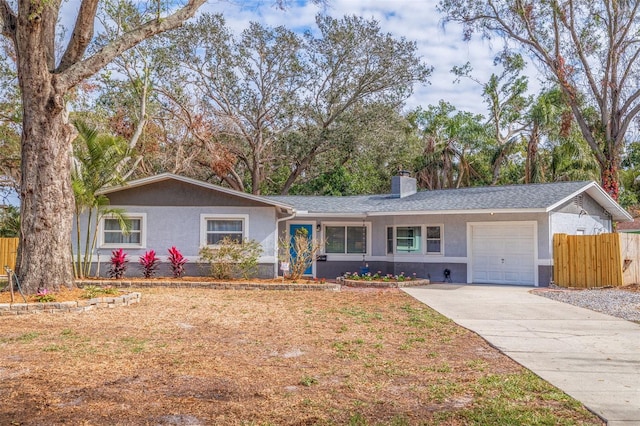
<point x="516" y="399"/>
<point x="55" y="348"/>
<point x="308" y="381"/>
<point x="361" y="316"/>
<point x="28" y="337"/>
<point x="134" y="344"/>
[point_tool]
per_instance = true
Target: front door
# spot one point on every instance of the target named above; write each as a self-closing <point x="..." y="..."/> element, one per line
<point x="294" y="229"/>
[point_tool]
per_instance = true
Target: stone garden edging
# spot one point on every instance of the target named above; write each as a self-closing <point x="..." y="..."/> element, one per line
<point x="73" y="306"/>
<point x="384" y="284"/>
<point x="210" y="285"/>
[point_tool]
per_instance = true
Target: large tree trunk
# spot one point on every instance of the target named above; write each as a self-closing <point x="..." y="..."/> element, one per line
<point x="45" y="191"/>
<point x="46" y="197"/>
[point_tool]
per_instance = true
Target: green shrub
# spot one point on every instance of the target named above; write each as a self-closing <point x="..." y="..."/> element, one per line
<point x="91" y="291"/>
<point x="232" y="259"/>
<point x="44" y="295"/>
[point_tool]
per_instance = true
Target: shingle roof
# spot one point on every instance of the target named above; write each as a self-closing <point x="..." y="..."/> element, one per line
<point x="512" y="197"/>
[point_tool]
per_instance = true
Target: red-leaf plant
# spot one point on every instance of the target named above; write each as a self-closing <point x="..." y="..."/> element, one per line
<point x="118" y="264"/>
<point x="149" y="263"/>
<point x="177" y="262"/>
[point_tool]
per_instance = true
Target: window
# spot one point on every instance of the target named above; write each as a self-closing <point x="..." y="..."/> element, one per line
<point x="113" y="234"/>
<point x="218" y="229"/>
<point x="434" y="240"/>
<point x="346" y="239"/>
<point x="215" y="228"/>
<point x="408" y="239"/>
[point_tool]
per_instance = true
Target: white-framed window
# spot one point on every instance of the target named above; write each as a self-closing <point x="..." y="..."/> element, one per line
<point x="113" y="235"/>
<point x="345" y="239"/>
<point x="434" y="239"/>
<point x="408" y="239"/>
<point x="215" y="227"/>
<point x="415" y="239"/>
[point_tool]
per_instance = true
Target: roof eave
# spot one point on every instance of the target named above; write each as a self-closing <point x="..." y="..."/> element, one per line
<point x="596" y="192"/>
<point x="306" y="213"/>
<point x="458" y="211"/>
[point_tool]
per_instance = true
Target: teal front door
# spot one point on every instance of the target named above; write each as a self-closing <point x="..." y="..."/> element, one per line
<point x="295" y="229"/>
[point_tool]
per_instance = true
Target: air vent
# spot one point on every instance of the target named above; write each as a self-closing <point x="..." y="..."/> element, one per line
<point x="577" y="200"/>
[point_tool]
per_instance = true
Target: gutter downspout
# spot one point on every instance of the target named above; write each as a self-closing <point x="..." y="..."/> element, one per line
<point x="282" y="219"/>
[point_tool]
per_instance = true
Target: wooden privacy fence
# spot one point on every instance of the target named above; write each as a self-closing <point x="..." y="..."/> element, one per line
<point x="587" y="261"/>
<point x="8" y="252"/>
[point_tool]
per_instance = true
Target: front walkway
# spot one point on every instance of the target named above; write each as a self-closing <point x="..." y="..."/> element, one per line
<point x="593" y="357"/>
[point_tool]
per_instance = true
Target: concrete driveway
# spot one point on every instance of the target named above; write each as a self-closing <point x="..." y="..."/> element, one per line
<point x="593" y="357"/>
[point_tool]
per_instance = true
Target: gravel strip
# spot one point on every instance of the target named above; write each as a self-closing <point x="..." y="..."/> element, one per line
<point x="617" y="303"/>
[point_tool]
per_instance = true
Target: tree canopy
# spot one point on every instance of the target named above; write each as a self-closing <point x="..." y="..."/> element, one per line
<point x="590" y="49"/>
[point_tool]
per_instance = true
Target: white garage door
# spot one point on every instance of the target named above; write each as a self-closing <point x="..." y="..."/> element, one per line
<point x="503" y="254"/>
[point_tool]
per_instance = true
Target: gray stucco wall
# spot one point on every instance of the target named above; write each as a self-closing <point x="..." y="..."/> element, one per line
<point x="570" y="217"/>
<point x="454" y="228"/>
<point x="545" y="275"/>
<point x="177" y="193"/>
<point x="168" y="226"/>
<point x="454" y="240"/>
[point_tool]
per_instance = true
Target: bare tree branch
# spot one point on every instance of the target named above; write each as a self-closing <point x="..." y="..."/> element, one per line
<point x="7" y="21"/>
<point x="78" y="71"/>
<point x="82" y="35"/>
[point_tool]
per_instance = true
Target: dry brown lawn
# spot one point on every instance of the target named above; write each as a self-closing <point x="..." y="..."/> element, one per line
<point x="191" y="357"/>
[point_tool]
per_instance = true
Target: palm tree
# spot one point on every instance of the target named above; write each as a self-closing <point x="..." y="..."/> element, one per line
<point x="9" y="221"/>
<point x="96" y="158"/>
<point x="571" y="159"/>
<point x="449" y="137"/>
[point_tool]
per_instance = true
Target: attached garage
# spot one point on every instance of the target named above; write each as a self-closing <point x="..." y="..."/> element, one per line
<point x="502" y="253"/>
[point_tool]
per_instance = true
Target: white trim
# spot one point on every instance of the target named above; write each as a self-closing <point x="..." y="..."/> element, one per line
<point x="345" y="256"/>
<point x="127" y="215"/>
<point x="417" y="258"/>
<point x="423" y="241"/>
<point x="601" y="197"/>
<point x="204" y="217"/>
<point x="276" y="243"/>
<point x="305" y="213"/>
<point x="470" y="226"/>
<point x="447" y="212"/>
<point x="395" y="239"/>
<point x="570" y="196"/>
<point x="545" y="262"/>
<point x="550" y="234"/>
<point x="441" y="252"/>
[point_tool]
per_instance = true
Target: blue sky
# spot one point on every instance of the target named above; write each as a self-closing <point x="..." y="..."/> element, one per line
<point x="417" y="20"/>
